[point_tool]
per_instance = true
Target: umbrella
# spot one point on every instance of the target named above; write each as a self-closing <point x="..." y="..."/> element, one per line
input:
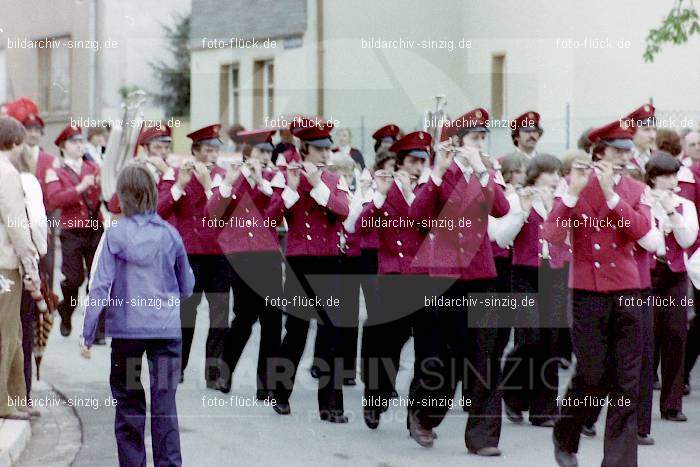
<point x="46" y="303"/>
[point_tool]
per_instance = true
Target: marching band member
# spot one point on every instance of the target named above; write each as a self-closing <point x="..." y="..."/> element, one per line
<point x="156" y="141"/>
<point x="677" y="219"/>
<point x="400" y="282"/>
<point x="75" y="190"/>
<point x="643" y="120"/>
<point x="599" y="212"/>
<point x="534" y="263"/>
<point x="250" y="243"/>
<point x="182" y="199"/>
<point x="525" y="133"/>
<point x="385" y="136"/>
<point x="461" y="190"/>
<point x="691" y="152"/>
<point x="314" y="204"/>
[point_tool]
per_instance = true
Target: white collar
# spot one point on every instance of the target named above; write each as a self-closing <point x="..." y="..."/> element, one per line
<point x="34" y="152"/>
<point x="76" y="165"/>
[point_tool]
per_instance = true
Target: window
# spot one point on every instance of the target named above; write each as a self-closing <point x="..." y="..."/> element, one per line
<point x="498" y="86"/>
<point x="54" y="74"/>
<point x="229" y="95"/>
<point x="263" y="92"/>
<point x="235" y="95"/>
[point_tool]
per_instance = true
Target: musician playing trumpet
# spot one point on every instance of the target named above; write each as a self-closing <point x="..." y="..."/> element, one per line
<point x="182" y="199"/>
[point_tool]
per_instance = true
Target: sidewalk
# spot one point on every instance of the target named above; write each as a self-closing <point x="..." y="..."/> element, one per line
<point x="14" y="436"/>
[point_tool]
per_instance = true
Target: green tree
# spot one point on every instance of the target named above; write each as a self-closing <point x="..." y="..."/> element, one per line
<point x="174" y="73"/>
<point x="680" y="23"/>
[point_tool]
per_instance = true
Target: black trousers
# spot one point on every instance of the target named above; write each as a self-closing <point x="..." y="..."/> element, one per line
<point x="256" y="279"/>
<point x="531" y="369"/>
<point x="468" y="355"/>
<point x="211" y="279"/>
<point x="78" y="251"/>
<point x="606" y="340"/>
<point x="387" y="329"/>
<point x="502" y="284"/>
<point x="163" y="357"/>
<point x="312" y="291"/>
<point x="646" y="380"/>
<point x="670" y="332"/>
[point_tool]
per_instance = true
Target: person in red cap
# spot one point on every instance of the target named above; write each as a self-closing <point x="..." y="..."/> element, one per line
<point x="602" y="214"/>
<point x="74" y="188"/>
<point x="314" y="203"/>
<point x="385" y="137"/>
<point x="156" y="141"/>
<point x="454" y="204"/>
<point x="182" y="198"/>
<point x="526" y="132"/>
<point x="401" y="282"/>
<point x="250" y="242"/>
<point x="643" y="121"/>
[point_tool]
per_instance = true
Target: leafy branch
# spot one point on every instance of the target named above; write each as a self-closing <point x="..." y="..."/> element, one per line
<point x="680" y="23"/>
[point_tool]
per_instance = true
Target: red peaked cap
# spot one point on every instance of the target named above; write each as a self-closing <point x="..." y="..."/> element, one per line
<point x="316" y="132"/>
<point x="208" y="135"/>
<point x="258" y="138"/>
<point x="617" y="134"/>
<point x="69" y="132"/>
<point x="644" y="115"/>
<point x="387" y="131"/>
<point x="415" y="144"/>
<point x="529" y="119"/>
<point x="159" y="133"/>
<point x="26" y="111"/>
<point x="474" y="120"/>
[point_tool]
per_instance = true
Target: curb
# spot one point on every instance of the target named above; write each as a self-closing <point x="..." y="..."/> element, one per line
<point x="14" y="436"/>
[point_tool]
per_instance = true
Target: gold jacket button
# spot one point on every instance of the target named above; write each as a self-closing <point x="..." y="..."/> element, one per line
<point x="308" y="237"/>
<point x="250" y="234"/>
<point x="307" y="225"/>
<point x="398" y="242"/>
<point x="400" y="255"/>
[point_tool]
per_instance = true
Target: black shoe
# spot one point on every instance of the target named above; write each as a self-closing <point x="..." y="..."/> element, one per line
<point x="515" y="416"/>
<point x="563" y="458"/>
<point x="645" y="440"/>
<point x="282" y="408"/>
<point x="488" y="451"/>
<point x="100" y="341"/>
<point x="588" y="431"/>
<point x="315" y="372"/>
<point x="657" y="385"/>
<point x="371" y="417"/>
<point x="674" y="416"/>
<point x="263" y="394"/>
<point x="333" y="416"/>
<point x="349" y="382"/>
<point x="66" y="325"/>
<point x="548" y="423"/>
<point x="224" y="384"/>
<point x="686" y="389"/>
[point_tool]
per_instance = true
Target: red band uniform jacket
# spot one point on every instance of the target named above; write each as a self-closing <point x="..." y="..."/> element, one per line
<point x="455" y="211"/>
<point x="602" y="238"/>
<point x="240" y="212"/>
<point x="314" y="215"/>
<point x="187" y="211"/>
<point x="78" y="210"/>
<point x="398" y="243"/>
